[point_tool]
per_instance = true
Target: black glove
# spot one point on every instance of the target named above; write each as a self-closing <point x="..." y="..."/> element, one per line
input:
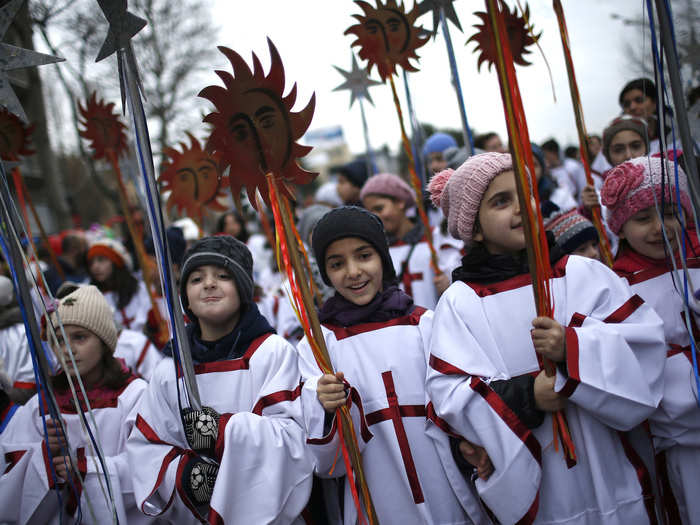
<point x="201" y="429"/>
<point x="198" y="480"/>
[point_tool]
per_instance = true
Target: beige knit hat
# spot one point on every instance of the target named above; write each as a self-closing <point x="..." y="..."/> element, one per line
<point x="87" y="307"/>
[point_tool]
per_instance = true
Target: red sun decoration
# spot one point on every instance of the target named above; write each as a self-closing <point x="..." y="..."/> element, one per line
<point x="103" y="128"/>
<point x="387" y="36"/>
<point x="519" y="36"/>
<point x="15" y="136"/>
<point x="193" y="178"/>
<point x="254" y="128"/>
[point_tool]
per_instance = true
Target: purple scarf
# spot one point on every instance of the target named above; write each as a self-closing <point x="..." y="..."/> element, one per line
<point x="386" y="305"/>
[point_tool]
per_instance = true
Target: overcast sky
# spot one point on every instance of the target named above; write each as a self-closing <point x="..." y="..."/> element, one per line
<point x="309" y="37"/>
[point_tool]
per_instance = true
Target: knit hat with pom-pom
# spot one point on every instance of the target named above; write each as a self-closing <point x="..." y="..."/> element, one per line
<point x="635" y="185"/>
<point x="459" y="192"/>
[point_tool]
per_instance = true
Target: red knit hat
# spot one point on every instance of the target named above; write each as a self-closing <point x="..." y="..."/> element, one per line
<point x="113" y="250"/>
<point x="459" y="192"/>
<point x="635" y="185"/>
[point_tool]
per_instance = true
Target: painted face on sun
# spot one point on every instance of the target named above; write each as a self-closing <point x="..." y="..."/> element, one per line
<point x="102" y="127"/>
<point x="194" y="179"/>
<point x="254" y="128"/>
<point x="387" y="36"/>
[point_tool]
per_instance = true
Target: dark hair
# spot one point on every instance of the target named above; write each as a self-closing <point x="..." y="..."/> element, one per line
<point x="122" y="282"/>
<point x="571" y="152"/>
<point x="113" y="375"/>
<point x="72" y="242"/>
<point x="551" y="145"/>
<point x="221" y="224"/>
<point x="481" y="140"/>
<point x="645" y="85"/>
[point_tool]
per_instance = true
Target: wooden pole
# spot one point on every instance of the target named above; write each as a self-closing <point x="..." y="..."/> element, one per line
<point x="348" y="432"/>
<point x="138" y="241"/>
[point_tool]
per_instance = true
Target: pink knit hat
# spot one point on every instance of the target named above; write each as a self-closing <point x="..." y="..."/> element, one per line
<point x="389" y="185"/>
<point x="630" y="187"/>
<point x="459" y="192"/>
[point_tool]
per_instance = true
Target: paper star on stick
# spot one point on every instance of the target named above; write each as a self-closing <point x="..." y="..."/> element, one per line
<point x="435" y="6"/>
<point x="12" y="58"/>
<point x="357" y="81"/>
<point x="123" y="26"/>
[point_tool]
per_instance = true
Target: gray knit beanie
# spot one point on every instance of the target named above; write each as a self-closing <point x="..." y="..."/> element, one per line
<point x="226" y="252"/>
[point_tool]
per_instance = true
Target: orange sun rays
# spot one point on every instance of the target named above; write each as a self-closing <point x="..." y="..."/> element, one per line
<point x="387" y="36"/>
<point x="255" y="131"/>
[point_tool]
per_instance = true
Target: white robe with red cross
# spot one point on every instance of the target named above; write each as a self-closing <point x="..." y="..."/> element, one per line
<point x="407" y="471"/>
<point x="27" y="484"/>
<point x="613" y="379"/>
<point x="138" y="352"/>
<point x="135" y="314"/>
<point x="675" y="425"/>
<point x="265" y="472"/>
<point x="417" y="280"/>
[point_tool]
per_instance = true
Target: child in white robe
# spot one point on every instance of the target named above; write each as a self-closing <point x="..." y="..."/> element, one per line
<point x="242" y="457"/>
<point x="110" y="267"/>
<point x="38" y="484"/>
<point x="630" y="191"/>
<point x="391" y="198"/>
<point x="376" y="339"/>
<point x="486" y="378"/>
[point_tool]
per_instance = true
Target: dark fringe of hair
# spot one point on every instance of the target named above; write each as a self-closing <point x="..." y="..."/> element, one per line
<point x="113" y="375"/>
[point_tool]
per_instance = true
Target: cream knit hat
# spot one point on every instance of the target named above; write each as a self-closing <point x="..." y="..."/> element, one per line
<point x="87" y="307"/>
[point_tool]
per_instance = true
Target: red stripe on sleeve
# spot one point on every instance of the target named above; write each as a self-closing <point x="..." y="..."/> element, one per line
<point x="444" y="367"/>
<point x="276" y="397"/>
<point x="572" y="353"/>
<point x="628" y="308"/>
<point x="219" y="446"/>
<point x="508" y="417"/>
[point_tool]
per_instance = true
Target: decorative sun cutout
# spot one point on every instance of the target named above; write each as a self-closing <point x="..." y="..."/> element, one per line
<point x="15" y="136"/>
<point x="193" y="178"/>
<point x="387" y="36"/>
<point x="519" y="36"/>
<point x="254" y="128"/>
<point x="101" y="125"/>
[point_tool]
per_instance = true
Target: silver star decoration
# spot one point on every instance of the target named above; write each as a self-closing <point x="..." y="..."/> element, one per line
<point x="357" y="81"/>
<point x="435" y="6"/>
<point x="12" y="57"/>
<point x="123" y="26"/>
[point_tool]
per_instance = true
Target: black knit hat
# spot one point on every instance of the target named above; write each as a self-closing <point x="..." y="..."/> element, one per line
<point x="351" y="221"/>
<point x="224" y="251"/>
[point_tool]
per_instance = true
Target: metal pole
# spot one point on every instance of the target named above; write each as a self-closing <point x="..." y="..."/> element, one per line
<point x="466" y="130"/>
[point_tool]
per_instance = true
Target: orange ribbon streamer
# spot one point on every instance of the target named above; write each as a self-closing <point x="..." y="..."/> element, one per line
<point x="605" y="250"/>
<point x="287" y="241"/>
<point x="523" y="165"/>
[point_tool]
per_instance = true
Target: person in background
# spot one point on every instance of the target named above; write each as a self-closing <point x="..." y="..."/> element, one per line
<point x="434" y="151"/>
<point x="351" y="178"/>
<point x="390" y="197"/>
<point x="568" y="173"/>
<point x="574" y="234"/>
<point x="72" y="261"/>
<point x="232" y="223"/>
<point x="110" y="267"/>
<point x="489" y="142"/>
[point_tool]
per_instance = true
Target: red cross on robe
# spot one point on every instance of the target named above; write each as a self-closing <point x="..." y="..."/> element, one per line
<point x="394" y="413"/>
